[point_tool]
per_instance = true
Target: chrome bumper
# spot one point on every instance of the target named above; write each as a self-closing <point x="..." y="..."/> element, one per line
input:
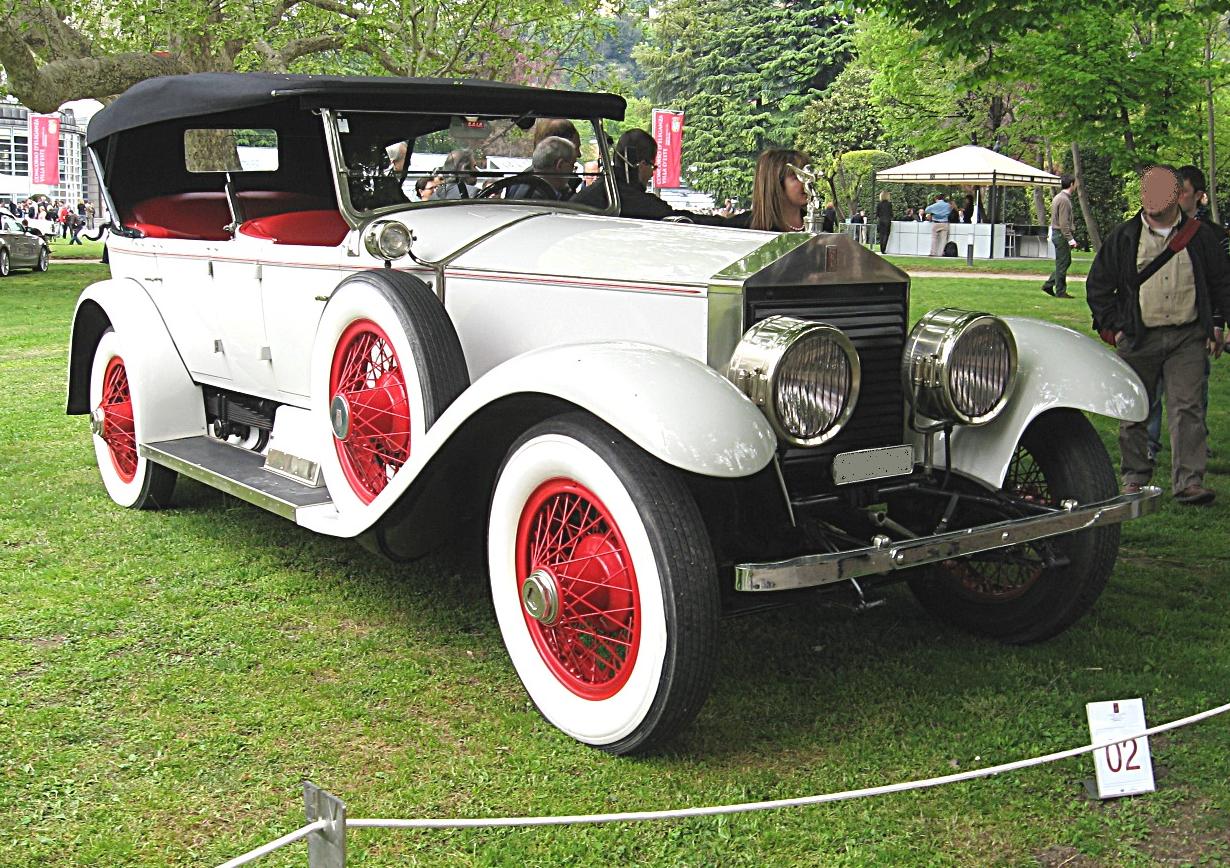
<point x="811" y="571"/>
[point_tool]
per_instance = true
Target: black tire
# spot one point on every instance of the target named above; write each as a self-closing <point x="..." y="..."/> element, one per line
<point x="44" y="259"/>
<point x="6" y="266"/>
<point x="1009" y="594"/>
<point x="644" y="550"/>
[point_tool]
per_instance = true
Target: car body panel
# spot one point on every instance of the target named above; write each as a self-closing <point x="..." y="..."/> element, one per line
<point x="1057" y="367"/>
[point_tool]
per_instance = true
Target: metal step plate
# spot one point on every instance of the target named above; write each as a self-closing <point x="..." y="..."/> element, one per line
<point x="238" y="472"/>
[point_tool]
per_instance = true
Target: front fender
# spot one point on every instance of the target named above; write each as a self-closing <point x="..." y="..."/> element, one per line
<point x="167" y="403"/>
<point x="674" y="407"/>
<point x="1057" y="367"/>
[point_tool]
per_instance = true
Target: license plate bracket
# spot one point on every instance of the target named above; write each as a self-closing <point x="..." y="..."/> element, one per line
<point x="862" y="465"/>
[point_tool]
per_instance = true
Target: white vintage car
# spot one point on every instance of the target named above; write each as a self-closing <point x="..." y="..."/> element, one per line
<point x="658" y="423"/>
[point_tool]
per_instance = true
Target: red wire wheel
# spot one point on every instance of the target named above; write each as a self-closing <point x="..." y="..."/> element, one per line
<point x="118" y="431"/>
<point x="569" y="535"/>
<point x="368" y="377"/>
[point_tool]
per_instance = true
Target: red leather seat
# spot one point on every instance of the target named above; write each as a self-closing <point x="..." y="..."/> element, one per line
<point x="318" y="228"/>
<point x="200" y="216"/>
<point x="204" y="216"/>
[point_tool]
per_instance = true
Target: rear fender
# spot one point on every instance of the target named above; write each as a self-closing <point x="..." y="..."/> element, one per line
<point x="167" y="404"/>
<point x="1057" y="367"/>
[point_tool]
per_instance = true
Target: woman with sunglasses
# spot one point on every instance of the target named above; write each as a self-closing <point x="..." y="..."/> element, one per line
<point x="779" y="196"/>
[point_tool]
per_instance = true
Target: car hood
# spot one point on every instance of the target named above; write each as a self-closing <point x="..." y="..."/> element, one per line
<point x="543" y="241"/>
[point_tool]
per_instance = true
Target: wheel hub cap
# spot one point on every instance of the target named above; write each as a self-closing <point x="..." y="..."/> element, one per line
<point x="540" y="597"/>
<point x="98" y="421"/>
<point x="339" y="415"/>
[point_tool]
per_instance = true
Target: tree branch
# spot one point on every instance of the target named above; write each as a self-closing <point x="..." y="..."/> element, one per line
<point x="46" y="88"/>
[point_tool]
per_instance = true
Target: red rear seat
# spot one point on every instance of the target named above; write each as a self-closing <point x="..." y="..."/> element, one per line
<point x="205" y="216"/>
<point x="318" y="228"/>
<point x="201" y="216"/>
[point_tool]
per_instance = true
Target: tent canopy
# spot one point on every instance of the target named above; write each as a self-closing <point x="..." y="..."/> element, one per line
<point x="968" y="164"/>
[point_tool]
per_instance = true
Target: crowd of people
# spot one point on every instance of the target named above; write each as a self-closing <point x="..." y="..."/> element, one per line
<point x="70" y="221"/>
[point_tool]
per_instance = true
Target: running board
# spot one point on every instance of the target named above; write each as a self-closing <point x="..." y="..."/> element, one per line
<point x="236" y="471"/>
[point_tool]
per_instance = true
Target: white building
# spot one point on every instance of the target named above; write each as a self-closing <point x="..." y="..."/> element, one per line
<point x="76" y="176"/>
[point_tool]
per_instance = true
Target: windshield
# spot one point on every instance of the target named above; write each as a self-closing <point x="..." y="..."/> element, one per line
<point x="398" y="159"/>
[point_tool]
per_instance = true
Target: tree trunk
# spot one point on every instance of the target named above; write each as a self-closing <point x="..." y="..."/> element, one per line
<point x="1208" y="92"/>
<point x="1091" y="223"/>
<point x="1039" y="202"/>
<point x="839" y="176"/>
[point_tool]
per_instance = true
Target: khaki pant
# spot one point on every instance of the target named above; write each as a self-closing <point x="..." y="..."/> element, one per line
<point x="1177" y="354"/>
<point x="939" y="237"/>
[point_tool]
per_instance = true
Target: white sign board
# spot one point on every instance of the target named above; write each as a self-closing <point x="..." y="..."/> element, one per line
<point x="1124" y="768"/>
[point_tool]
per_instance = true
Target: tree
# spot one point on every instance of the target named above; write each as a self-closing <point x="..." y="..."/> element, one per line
<point x="928" y="100"/>
<point x="838" y="124"/>
<point x="742" y="71"/>
<point x="979" y="27"/>
<point x="53" y="51"/>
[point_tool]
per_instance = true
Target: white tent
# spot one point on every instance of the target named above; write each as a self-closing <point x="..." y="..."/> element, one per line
<point x="970" y="165"/>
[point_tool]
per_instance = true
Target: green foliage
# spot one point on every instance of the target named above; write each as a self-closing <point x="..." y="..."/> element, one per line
<point x="957" y="26"/>
<point x="743" y="71"/>
<point x="1129" y="87"/>
<point x="927" y="98"/>
<point x="841" y="119"/>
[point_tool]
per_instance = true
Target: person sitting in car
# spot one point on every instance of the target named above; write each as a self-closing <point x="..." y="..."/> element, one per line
<point x="635" y="159"/>
<point x="458" y="169"/>
<point x="554" y="162"/>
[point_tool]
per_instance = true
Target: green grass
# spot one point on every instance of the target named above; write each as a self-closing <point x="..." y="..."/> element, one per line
<point x="1080" y="264"/>
<point x="61" y="249"/>
<point x="168" y="679"/>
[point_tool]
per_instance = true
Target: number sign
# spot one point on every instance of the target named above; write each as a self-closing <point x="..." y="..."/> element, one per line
<point x="1123" y="768"/>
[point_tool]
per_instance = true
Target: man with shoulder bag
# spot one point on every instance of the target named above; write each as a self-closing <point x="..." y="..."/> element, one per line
<point x="1159" y="290"/>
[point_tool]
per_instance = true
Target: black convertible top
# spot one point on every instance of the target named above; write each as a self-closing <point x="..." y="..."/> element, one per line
<point x="182" y="96"/>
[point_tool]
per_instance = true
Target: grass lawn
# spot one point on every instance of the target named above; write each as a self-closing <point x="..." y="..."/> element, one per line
<point x="88" y="250"/>
<point x="1080" y="264"/>
<point x="167" y="680"/>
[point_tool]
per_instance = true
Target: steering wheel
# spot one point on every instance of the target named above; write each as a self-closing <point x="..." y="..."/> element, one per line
<point x="534" y="182"/>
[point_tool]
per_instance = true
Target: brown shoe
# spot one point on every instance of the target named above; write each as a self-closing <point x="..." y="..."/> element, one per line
<point x="1063" y="295"/>
<point x="1131" y="487"/>
<point x="1195" y="495"/>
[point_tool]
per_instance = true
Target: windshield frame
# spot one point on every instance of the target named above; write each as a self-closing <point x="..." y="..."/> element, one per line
<point x="357" y="217"/>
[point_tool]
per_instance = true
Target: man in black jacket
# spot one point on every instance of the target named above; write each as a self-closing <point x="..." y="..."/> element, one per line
<point x="1164" y="325"/>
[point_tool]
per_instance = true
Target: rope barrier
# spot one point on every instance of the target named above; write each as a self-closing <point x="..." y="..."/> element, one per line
<point x="744" y="807"/>
<point x="266" y="849"/>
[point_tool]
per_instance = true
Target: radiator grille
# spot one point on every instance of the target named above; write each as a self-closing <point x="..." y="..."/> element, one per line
<point x="874" y="317"/>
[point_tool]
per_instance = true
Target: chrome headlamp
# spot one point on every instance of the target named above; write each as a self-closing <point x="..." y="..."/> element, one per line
<point x="959" y="366"/>
<point x="388" y="239"/>
<point x="803" y="375"/>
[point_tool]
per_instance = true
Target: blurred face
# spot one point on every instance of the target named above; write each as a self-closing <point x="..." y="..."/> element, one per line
<point x="429" y="188"/>
<point x="1159" y="194"/>
<point x="793" y="189"/>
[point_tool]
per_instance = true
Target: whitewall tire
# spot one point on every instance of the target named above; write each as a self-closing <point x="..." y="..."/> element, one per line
<point x="130" y="479"/>
<point x="386" y="362"/>
<point x="604" y="585"/>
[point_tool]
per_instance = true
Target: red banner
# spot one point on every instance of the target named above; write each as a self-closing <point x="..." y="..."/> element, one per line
<point x="45" y="149"/>
<point x="668" y="133"/>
